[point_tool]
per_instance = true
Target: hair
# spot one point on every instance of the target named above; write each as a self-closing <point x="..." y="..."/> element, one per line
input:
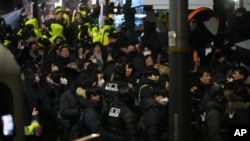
<point x="93" y="91"/>
<point x="71" y="71"/>
<point x="164" y="58"/>
<point x="130" y="64"/>
<point x="78" y="13"/>
<point x="30" y="72"/>
<point x="96" y="44"/>
<point x="32" y="43"/>
<point x="160" y="92"/>
<point x="150" y="71"/>
<point x="56" y="76"/>
<point x="27" y="32"/>
<point x="58" y="37"/>
<point x="88" y="55"/>
<point x="86" y="80"/>
<point x="92" y="67"/>
<point x="242" y="70"/>
<point x="44" y="74"/>
<point x="241" y="10"/>
<point x="119" y="72"/>
<point x="63" y="46"/>
<point x="203" y="70"/>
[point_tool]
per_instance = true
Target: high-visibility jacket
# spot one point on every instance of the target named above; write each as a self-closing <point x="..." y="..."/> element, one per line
<point x="34" y="22"/>
<point x="104" y="33"/>
<point x="94" y="34"/>
<point x="66" y="19"/>
<point x="30" y="129"/>
<point x="56" y="31"/>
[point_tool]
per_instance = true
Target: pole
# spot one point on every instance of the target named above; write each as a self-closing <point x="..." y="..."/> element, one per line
<point x="36" y="11"/>
<point x="180" y="107"/>
<point x="129" y="16"/>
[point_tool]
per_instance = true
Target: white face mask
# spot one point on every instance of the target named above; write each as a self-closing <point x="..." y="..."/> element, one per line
<point x="100" y="83"/>
<point x="94" y="61"/>
<point x="37" y="79"/>
<point x="50" y="80"/>
<point x="54" y="68"/>
<point x="164" y="101"/>
<point x="145" y="53"/>
<point x="63" y="81"/>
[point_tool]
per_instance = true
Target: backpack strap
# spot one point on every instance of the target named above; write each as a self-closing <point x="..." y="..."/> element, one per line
<point x="139" y="94"/>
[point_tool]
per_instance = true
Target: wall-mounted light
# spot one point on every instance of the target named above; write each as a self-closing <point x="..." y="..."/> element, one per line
<point x="58" y="3"/>
<point x="93" y="2"/>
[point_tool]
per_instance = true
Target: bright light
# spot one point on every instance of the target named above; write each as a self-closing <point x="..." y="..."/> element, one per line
<point x="93" y="2"/>
<point x="58" y="3"/>
<point x="95" y="135"/>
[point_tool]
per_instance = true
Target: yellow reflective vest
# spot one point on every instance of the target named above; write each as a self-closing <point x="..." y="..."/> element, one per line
<point x="56" y="31"/>
<point x="30" y="129"/>
<point x="104" y="33"/>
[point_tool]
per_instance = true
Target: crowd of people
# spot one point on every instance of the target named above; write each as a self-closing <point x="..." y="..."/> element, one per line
<point x="80" y="80"/>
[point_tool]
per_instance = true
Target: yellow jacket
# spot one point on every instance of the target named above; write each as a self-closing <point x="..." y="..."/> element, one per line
<point x="103" y="34"/>
<point x="30" y="129"/>
<point x="94" y="34"/>
<point x="34" y="22"/>
<point x="67" y="19"/>
<point x="56" y="31"/>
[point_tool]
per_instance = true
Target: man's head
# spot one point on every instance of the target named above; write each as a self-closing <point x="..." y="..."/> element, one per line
<point x="240" y="73"/>
<point x="59" y="13"/>
<point x="94" y="94"/>
<point x="152" y="74"/>
<point x="205" y="76"/>
<point x="84" y="82"/>
<point x="64" y="51"/>
<point x="240" y="11"/>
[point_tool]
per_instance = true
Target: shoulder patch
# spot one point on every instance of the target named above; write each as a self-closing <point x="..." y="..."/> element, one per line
<point x="114" y="112"/>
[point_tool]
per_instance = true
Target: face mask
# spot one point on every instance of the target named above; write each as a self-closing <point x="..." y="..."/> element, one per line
<point x="164" y="101"/>
<point x="37" y="79"/>
<point x="50" y="80"/>
<point x="145" y="53"/>
<point x="54" y="68"/>
<point x="94" y="61"/>
<point x="63" y="81"/>
<point x="100" y="83"/>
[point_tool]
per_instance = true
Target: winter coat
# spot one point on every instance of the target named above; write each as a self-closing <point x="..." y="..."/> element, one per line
<point x="122" y="121"/>
<point x="137" y="59"/>
<point x="214" y="121"/>
<point x="47" y="104"/>
<point x="31" y="96"/>
<point x="91" y="118"/>
<point x="155" y="118"/>
<point x="68" y="105"/>
<point x="145" y="89"/>
<point x="69" y="112"/>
